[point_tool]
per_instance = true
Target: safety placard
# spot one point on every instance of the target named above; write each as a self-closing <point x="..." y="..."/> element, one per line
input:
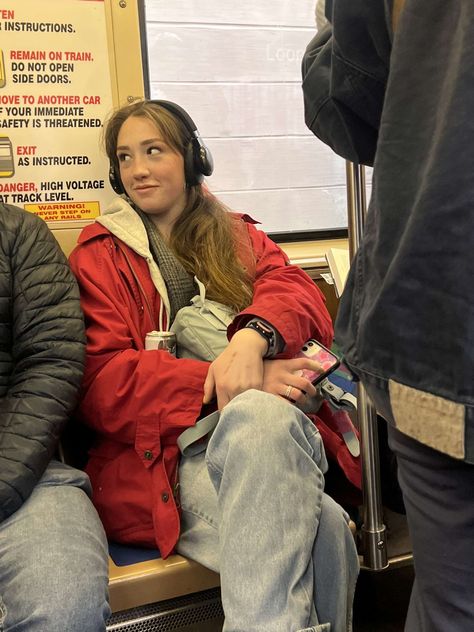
<point x="55" y="92"/>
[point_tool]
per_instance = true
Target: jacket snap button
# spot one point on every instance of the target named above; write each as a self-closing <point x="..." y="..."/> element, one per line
<point x="148" y="455"/>
<point x="165" y="497"/>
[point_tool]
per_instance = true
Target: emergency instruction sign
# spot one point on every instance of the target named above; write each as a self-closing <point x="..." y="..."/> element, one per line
<point x="55" y="92"/>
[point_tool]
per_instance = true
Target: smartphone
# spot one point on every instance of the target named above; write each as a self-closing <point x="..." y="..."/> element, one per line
<point x="314" y="350"/>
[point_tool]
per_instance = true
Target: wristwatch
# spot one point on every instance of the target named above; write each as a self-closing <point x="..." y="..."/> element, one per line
<point x="266" y="331"/>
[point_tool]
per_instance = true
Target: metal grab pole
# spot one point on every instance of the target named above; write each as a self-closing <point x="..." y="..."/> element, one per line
<point x="356" y="205"/>
<point x="374" y="545"/>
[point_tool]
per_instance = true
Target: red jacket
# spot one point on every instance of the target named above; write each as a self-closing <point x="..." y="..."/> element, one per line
<point x="137" y="401"/>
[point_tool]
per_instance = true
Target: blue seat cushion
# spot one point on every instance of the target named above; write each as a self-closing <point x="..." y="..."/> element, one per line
<point x="124" y="555"/>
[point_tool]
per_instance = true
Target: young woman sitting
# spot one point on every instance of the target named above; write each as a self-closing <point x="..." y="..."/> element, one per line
<point x="252" y="505"/>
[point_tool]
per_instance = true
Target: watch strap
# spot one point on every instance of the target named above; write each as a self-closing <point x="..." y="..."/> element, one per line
<point x="267" y="332"/>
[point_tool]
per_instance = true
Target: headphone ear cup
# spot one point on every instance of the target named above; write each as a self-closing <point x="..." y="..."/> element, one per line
<point x="115" y="181"/>
<point x="197" y="162"/>
<point x="191" y="173"/>
<point x="203" y="161"/>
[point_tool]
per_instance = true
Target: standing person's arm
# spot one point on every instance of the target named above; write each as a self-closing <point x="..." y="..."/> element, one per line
<point x="345" y="69"/>
<point x="43" y="357"/>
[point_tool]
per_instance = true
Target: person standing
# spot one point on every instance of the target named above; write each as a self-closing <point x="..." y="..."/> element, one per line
<point x="391" y="84"/>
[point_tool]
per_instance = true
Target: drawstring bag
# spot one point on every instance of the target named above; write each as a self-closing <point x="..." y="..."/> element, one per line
<point x="201" y="334"/>
<point x="201" y="328"/>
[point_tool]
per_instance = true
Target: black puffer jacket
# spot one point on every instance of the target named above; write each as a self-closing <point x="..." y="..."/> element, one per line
<point x="41" y="352"/>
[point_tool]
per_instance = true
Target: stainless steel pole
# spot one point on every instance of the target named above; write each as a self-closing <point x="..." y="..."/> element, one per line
<point x="374" y="544"/>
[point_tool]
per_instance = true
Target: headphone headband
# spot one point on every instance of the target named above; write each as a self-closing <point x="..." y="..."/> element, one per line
<point x="179" y="113"/>
<point x="197" y="158"/>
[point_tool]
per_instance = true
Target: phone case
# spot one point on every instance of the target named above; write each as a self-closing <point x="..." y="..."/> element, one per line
<point x="314" y="350"/>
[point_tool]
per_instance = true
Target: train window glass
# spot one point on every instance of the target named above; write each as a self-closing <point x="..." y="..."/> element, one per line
<point x="236" y="66"/>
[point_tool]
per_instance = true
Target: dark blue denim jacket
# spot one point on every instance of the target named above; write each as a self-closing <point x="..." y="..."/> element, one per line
<point x="405" y="104"/>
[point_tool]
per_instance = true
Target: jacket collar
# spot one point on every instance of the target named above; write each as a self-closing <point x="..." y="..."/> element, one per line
<point x="121" y="220"/>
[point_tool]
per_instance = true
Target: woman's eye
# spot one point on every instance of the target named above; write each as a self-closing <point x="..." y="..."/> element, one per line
<point x="123" y="157"/>
<point x="154" y="150"/>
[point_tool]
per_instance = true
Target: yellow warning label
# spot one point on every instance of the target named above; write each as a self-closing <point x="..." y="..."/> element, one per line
<point x="65" y="211"/>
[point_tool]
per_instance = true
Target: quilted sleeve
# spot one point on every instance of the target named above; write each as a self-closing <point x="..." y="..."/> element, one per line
<point x="47" y="355"/>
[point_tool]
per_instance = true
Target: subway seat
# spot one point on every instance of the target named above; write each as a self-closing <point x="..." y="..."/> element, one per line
<point x="140" y="576"/>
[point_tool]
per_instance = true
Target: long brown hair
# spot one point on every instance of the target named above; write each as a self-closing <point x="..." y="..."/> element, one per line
<point x="209" y="241"/>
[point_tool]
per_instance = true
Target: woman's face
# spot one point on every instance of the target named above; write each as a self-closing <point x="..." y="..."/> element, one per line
<point x="151" y="171"/>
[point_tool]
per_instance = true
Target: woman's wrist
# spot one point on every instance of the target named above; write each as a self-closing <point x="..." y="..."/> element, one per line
<point x="251" y="339"/>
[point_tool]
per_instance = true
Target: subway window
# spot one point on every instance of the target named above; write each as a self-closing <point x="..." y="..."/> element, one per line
<point x="236" y="67"/>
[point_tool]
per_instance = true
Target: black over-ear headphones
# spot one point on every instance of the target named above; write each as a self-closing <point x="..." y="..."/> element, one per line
<point x="197" y="158"/>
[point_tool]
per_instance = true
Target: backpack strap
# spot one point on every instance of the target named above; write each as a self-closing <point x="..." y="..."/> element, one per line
<point x="190" y="441"/>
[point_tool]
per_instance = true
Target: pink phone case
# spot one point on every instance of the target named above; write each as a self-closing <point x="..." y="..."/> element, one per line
<point x="315" y="351"/>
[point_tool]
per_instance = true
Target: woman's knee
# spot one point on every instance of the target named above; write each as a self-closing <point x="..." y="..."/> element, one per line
<point x="266" y="426"/>
<point x="264" y="416"/>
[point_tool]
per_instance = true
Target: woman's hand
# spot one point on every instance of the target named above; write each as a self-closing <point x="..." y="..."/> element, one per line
<point x="237" y="369"/>
<point x="284" y="378"/>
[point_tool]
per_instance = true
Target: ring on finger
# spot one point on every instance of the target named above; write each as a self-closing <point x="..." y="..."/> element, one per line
<point x="289" y="388"/>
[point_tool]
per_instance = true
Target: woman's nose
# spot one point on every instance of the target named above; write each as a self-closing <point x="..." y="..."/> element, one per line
<point x="140" y="168"/>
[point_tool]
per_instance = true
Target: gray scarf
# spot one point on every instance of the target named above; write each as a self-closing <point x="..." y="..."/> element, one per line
<point x="179" y="283"/>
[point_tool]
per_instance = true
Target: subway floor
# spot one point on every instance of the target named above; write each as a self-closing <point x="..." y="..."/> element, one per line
<point x="381" y="600"/>
<point x="380" y="604"/>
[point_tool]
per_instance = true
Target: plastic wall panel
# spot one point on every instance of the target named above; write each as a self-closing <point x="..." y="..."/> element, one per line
<point x="228" y="109"/>
<point x="247" y="12"/>
<point x="236" y="67"/>
<point x="272" y="162"/>
<point x="322" y="206"/>
<point x="220" y="53"/>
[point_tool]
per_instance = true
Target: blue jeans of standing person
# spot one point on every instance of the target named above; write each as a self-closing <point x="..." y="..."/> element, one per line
<point x="254" y="509"/>
<point x="54" y="560"/>
<point x="438" y="495"/>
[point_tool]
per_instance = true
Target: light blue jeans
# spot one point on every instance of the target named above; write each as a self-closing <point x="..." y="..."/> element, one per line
<point x="254" y="509"/>
<point x="54" y="560"/>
